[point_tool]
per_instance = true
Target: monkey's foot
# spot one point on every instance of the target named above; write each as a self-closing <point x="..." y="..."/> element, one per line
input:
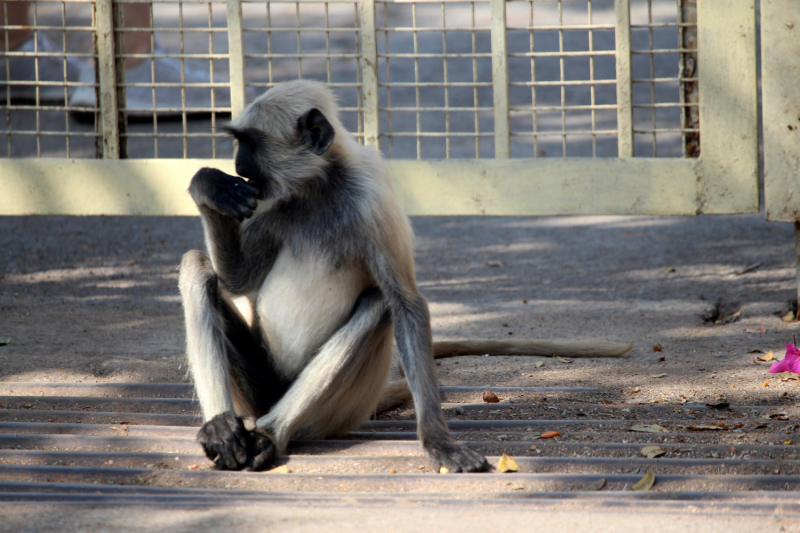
<point x="261" y="447"/>
<point x="232" y="446"/>
<point x="458" y="458"/>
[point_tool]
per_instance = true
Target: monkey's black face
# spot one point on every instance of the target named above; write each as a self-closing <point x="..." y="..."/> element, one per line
<point x="281" y="161"/>
<point x="250" y="143"/>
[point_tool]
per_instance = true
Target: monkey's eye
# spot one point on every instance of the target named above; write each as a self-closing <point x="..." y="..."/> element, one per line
<point x="243" y="136"/>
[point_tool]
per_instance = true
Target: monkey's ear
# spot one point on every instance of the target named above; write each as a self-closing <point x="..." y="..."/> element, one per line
<point x="316" y="131"/>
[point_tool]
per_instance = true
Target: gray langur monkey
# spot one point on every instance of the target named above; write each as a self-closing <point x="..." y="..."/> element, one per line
<point x="309" y="277"/>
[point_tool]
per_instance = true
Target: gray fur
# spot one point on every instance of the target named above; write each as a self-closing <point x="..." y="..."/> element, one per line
<point x="314" y="240"/>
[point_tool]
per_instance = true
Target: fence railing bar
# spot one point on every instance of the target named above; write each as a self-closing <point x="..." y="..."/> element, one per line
<point x="688" y="94"/>
<point x="528" y="108"/>
<point x="622" y="35"/>
<point x="442" y="134"/>
<point x="475" y="92"/>
<point x="560" y="83"/>
<point x="502" y="139"/>
<point x="560" y="133"/>
<point x="54" y="133"/>
<point x="565" y="53"/>
<point x="561" y="77"/>
<point x="332" y="84"/>
<point x="666" y="104"/>
<point x="359" y="85"/>
<point x="369" y="73"/>
<point x="301" y="56"/>
<point x="43" y="27"/>
<point x="65" y="74"/>
<point x="417" y="102"/>
<point x="664" y="130"/>
<point x="549" y="27"/>
<point x="532" y="62"/>
<point x="665" y="80"/>
<point x="236" y="61"/>
<point x="592" y="88"/>
<point x="106" y="78"/>
<point x="122" y="91"/>
<point x="166" y="29"/>
<point x="663" y="51"/>
<point x="305" y="29"/>
<point x="443" y="109"/>
<point x="436" y="29"/>
<point x="436" y="84"/>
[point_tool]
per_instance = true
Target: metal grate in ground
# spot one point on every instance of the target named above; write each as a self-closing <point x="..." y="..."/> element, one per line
<point x="128" y="443"/>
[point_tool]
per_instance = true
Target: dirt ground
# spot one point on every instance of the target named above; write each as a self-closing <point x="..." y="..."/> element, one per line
<point x="95" y="300"/>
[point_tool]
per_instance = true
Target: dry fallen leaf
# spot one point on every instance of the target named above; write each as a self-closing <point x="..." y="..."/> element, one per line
<point x="649" y="428"/>
<point x="646" y="482"/>
<point x="635" y="390"/>
<point x="283" y="469"/>
<point x="701" y="427"/>
<point x="789" y="317"/>
<point x="550" y="434"/>
<point x="392" y="471"/>
<point x="776" y="416"/>
<point x="444" y="470"/>
<point x="719" y="404"/>
<point x="787" y="442"/>
<point x="538" y="364"/>
<point x="564" y="361"/>
<point x="768" y="357"/>
<point x="490" y="397"/>
<point x="597" y="485"/>
<point x="658" y="347"/>
<point x="658" y="376"/>
<point x="652" y="452"/>
<point x="193" y="467"/>
<point x="506" y="464"/>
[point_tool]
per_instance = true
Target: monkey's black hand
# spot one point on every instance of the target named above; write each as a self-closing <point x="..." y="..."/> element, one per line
<point x="234" y="444"/>
<point x="224" y="440"/>
<point x="226" y="194"/>
<point x="458" y="458"/>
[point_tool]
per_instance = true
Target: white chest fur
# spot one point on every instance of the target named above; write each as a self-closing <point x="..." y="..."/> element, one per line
<point x="302" y="302"/>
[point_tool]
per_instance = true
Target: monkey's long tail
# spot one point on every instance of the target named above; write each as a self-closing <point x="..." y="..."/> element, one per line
<point x="587" y="348"/>
<point x="397" y="392"/>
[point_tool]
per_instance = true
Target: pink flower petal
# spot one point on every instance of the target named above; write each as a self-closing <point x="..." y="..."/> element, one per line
<point x="790" y="363"/>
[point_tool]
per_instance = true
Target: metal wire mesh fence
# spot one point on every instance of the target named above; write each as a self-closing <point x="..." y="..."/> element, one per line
<point x="439" y="92"/>
<point x="306" y="39"/>
<point x="37" y="75"/>
<point x="173" y="97"/>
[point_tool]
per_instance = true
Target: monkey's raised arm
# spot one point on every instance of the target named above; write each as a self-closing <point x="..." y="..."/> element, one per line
<point x="224" y="201"/>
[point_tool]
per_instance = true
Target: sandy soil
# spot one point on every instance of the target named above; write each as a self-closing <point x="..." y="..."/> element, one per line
<point x="95" y="299"/>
